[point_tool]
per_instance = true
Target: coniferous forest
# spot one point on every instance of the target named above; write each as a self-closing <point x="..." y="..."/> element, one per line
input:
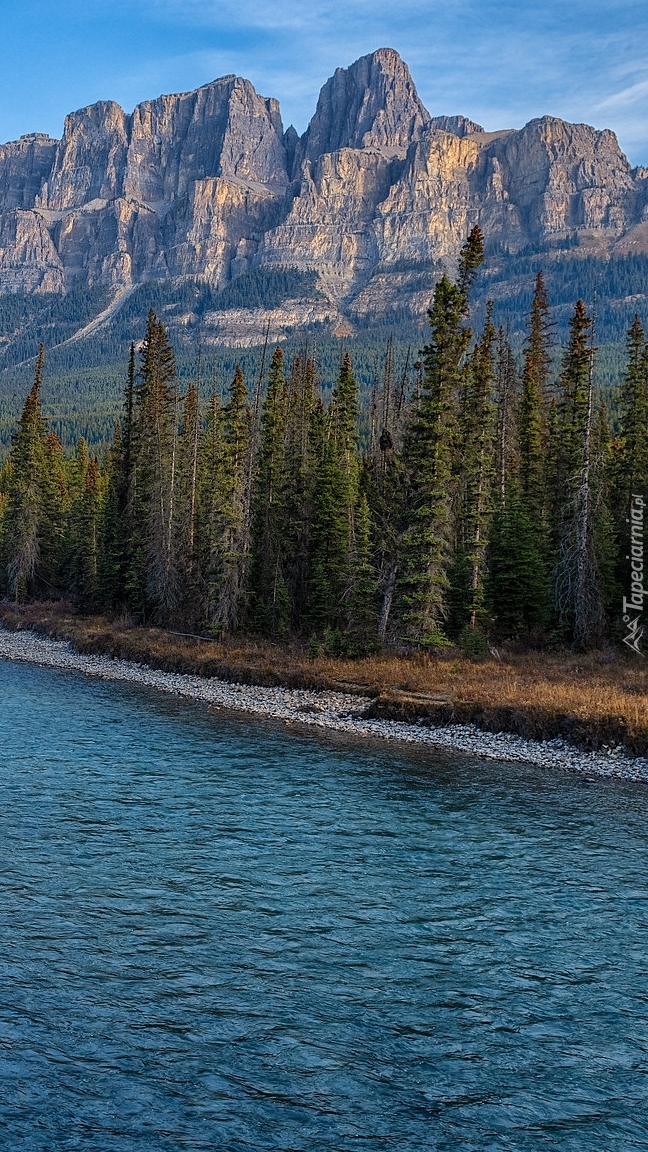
<point x="488" y="502"/>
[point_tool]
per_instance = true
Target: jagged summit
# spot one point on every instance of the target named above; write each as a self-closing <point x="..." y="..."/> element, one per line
<point x="207" y="183"/>
<point x="456" y="125"/>
<point x="371" y="104"/>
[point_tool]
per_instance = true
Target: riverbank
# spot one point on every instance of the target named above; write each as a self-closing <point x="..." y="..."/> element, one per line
<point x="594" y="701"/>
<point x="325" y="708"/>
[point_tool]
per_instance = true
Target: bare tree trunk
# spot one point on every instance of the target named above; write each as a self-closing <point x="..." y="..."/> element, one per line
<point x="388" y="596"/>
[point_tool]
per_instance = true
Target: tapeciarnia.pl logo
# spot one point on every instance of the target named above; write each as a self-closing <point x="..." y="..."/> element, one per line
<point x="633" y="605"/>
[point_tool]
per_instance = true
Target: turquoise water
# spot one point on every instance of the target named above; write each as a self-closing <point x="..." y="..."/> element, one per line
<point x="216" y="934"/>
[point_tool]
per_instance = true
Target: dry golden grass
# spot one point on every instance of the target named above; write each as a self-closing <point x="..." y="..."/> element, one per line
<point x="601" y="698"/>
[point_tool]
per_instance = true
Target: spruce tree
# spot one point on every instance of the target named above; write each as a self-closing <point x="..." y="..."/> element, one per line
<point x="25" y="499"/>
<point x="632" y="456"/>
<point x="335" y="498"/>
<point x="269" y="608"/>
<point x="151" y="579"/>
<point x="234" y="548"/>
<point x="55" y="510"/>
<point x="533" y="430"/>
<point x="72" y="573"/>
<point x="87" y="542"/>
<point x="120" y="541"/>
<point x="577" y="589"/>
<point x="304" y="440"/>
<point x="383" y="483"/>
<point x="110" y="592"/>
<point x="428" y="457"/>
<point x="519" y="578"/>
<point x="628" y="452"/>
<point x="508" y="411"/>
<point x="186" y="513"/>
<point x="210" y="519"/>
<point x="361" y="635"/>
<point x="475" y="482"/>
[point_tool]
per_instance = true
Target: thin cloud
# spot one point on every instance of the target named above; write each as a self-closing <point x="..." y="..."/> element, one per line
<point x="626" y="97"/>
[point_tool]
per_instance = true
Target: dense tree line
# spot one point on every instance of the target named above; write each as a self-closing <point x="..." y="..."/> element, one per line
<point x="485" y="500"/>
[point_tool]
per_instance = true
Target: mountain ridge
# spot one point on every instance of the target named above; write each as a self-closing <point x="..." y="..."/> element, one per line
<point x="207" y="184"/>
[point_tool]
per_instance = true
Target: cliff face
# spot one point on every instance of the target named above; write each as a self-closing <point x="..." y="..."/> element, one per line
<point x="206" y="183"/>
<point x="372" y="104"/>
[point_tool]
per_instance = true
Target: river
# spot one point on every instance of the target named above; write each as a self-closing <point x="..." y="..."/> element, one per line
<point x="219" y="934"/>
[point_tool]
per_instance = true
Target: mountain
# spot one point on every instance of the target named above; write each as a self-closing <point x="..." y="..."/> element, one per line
<point x="207" y="184"/>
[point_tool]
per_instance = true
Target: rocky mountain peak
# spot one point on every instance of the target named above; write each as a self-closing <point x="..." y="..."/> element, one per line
<point x="371" y="104"/>
<point x="206" y="183"/>
<point x="455" y="125"/>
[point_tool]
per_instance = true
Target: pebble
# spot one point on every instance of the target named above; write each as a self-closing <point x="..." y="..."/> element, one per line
<point x="332" y="711"/>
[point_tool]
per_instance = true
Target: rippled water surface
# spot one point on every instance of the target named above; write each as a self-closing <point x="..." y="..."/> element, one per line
<point x="215" y="934"/>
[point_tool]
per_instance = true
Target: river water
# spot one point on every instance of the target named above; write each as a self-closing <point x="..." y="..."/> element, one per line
<point x="217" y="934"/>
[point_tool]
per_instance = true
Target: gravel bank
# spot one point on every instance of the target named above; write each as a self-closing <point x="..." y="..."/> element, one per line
<point x="333" y="711"/>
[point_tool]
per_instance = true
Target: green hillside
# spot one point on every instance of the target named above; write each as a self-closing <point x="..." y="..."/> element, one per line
<point x="84" y="376"/>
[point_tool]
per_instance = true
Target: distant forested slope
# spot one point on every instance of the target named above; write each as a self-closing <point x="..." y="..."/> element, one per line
<point x="84" y="376"/>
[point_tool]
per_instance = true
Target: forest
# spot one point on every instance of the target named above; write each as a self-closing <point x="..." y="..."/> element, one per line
<point x="477" y="497"/>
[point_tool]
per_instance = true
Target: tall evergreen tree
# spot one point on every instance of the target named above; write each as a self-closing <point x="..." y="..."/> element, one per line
<point x="151" y="576"/>
<point x="474" y="482"/>
<point x="507" y="432"/>
<point x="362" y="626"/>
<point x="304" y="441"/>
<point x="25" y="504"/>
<point x="210" y="518"/>
<point x="628" y="452"/>
<point x="428" y="454"/>
<point x="87" y="540"/>
<point x="533" y="430"/>
<point x="269" y="608"/>
<point x="236" y="433"/>
<point x="186" y="513"/>
<point x="335" y="499"/>
<point x="118" y="531"/>
<point x="578" y="591"/>
<point x="519" y="579"/>
<point x="632" y="462"/>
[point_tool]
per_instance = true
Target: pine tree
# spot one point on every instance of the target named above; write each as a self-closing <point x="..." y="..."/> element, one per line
<point x="210" y="519"/>
<point x="632" y="464"/>
<point x="87" y="543"/>
<point x="508" y="411"/>
<point x="519" y="578"/>
<point x="304" y="445"/>
<point x="110" y="590"/>
<point x="428" y="455"/>
<point x="361" y="632"/>
<point x="186" y="513"/>
<point x="533" y="430"/>
<point x="383" y="482"/>
<point x="236" y="433"/>
<point x="335" y="498"/>
<point x="475" y="482"/>
<point x="578" y="593"/>
<point x="72" y="575"/>
<point x="120" y="539"/>
<point x="25" y="502"/>
<point x="151" y="580"/>
<point x="55" y="510"/>
<point x="628" y="452"/>
<point x="269" y="608"/>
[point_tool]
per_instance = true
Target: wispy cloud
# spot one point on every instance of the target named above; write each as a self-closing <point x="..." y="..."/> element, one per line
<point x="626" y="98"/>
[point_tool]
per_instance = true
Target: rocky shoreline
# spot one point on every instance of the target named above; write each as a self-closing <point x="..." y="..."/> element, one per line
<point x="329" y="711"/>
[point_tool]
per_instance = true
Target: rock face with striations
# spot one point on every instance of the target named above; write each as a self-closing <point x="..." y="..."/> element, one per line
<point x="207" y="183"/>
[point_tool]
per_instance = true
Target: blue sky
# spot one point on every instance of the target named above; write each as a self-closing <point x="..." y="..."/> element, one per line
<point x="497" y="61"/>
